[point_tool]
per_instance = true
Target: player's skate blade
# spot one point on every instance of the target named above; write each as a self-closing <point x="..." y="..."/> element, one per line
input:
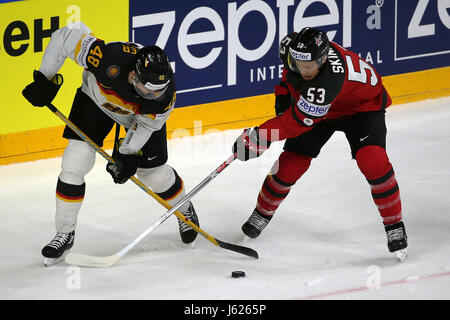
<point x="52" y="261"/>
<point x="400" y="255"/>
<point x="190" y="245"/>
<point x="255" y="224"/>
<point x="55" y="251"/>
<point x="397" y="240"/>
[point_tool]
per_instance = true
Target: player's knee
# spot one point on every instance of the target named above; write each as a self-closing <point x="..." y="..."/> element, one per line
<point x="159" y="179"/>
<point x="373" y="161"/>
<point x="78" y="160"/>
<point x="291" y="166"/>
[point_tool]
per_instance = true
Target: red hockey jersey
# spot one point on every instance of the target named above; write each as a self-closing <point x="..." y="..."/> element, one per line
<point x="345" y="85"/>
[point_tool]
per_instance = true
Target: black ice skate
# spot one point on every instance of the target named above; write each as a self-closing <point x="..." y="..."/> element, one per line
<point x="56" y="249"/>
<point x="255" y="224"/>
<point x="397" y="239"/>
<point x="188" y="234"/>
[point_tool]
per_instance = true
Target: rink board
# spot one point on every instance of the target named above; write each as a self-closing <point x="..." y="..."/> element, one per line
<point x="235" y="41"/>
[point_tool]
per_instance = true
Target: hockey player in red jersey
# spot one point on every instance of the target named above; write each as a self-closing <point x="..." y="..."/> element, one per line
<point x="325" y="88"/>
<point x="123" y="83"/>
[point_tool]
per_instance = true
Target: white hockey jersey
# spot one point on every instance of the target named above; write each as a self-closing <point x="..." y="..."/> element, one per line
<point x="105" y="81"/>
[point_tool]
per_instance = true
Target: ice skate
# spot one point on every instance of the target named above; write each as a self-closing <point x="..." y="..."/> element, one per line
<point x="397" y="240"/>
<point x="52" y="261"/>
<point x="254" y="225"/>
<point x="188" y="234"/>
<point x="56" y="250"/>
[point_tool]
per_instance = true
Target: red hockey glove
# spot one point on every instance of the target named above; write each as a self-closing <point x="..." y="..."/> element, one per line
<point x="250" y="144"/>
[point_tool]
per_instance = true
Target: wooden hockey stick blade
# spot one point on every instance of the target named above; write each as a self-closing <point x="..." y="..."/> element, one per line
<point x="91" y="261"/>
<point x="240" y="249"/>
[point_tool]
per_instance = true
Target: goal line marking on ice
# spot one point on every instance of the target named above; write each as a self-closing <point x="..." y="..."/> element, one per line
<point x="386" y="284"/>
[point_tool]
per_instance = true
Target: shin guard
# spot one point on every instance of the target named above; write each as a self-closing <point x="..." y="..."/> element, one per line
<point x="374" y="164"/>
<point x="285" y="172"/>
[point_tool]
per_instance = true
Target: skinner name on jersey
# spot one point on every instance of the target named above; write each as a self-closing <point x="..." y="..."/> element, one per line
<point x="311" y="108"/>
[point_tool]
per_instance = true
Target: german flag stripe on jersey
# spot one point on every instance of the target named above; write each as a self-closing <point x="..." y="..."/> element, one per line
<point x="70" y="192"/>
<point x="113" y="97"/>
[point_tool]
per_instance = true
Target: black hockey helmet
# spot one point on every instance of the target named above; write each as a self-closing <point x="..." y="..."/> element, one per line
<point x="309" y="45"/>
<point x="153" y="69"/>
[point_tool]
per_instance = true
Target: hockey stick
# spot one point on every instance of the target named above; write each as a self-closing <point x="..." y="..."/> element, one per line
<point x="79" y="259"/>
<point x="95" y="261"/>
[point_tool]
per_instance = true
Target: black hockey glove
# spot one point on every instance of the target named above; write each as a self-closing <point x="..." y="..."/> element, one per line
<point x="124" y="166"/>
<point x="42" y="91"/>
<point x="250" y="144"/>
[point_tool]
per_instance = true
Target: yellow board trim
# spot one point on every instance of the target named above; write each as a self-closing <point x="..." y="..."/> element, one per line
<point x="217" y="116"/>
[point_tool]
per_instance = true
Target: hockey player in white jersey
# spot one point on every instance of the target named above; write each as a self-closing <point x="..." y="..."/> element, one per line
<point x="123" y="83"/>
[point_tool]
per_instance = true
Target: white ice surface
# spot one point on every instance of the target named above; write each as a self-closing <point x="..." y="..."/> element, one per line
<point x="325" y="242"/>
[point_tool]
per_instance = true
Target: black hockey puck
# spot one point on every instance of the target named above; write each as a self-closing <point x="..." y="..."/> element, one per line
<point x="238" y="274"/>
